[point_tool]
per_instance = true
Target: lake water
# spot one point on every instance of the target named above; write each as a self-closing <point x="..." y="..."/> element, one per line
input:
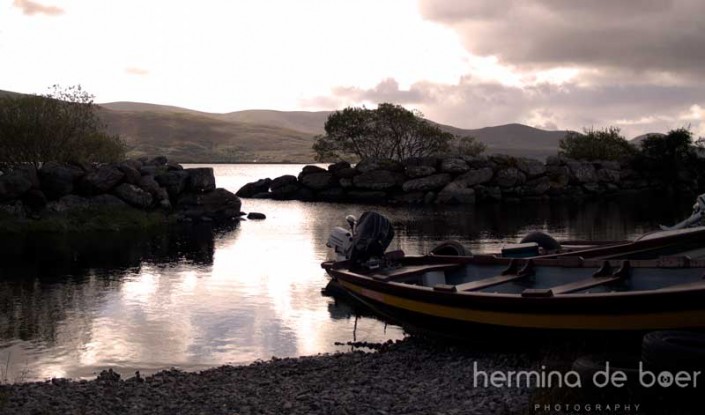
<point x="197" y="298"/>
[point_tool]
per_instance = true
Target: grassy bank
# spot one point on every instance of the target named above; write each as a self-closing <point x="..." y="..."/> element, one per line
<point x="86" y="220"/>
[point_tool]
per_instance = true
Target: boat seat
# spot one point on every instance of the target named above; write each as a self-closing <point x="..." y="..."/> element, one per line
<point x="412" y="271"/>
<point x="604" y="275"/>
<point x="512" y="273"/>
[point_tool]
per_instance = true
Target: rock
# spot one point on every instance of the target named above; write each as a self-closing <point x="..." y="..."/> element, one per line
<point x="337" y="167"/>
<point x="414" y="172"/>
<point x="256" y="215"/>
<point x="368" y="165"/>
<point x="148" y="184"/>
<point x="530" y="167"/>
<point x="133" y="195"/>
<point x="174" y="167"/>
<point x="454" y="166"/>
<point x="581" y="172"/>
<point x="14" y="184"/>
<point x="422" y="161"/>
<point x="410" y="198"/>
<point x="492" y="193"/>
<point x="346" y="183"/>
<point x="311" y="170"/>
<point x="478" y="162"/>
<point x="509" y="177"/>
<point x="429" y="198"/>
<point x="347" y="173"/>
<point x="304" y="195"/>
<point x="173" y="181"/>
<point x="219" y="205"/>
<point x="149" y="170"/>
<point x="456" y="193"/>
<point x="68" y="203"/>
<point x="283" y="181"/>
<point x="57" y="180"/>
<point x="607" y="164"/>
<point x="592" y="188"/>
<point x="378" y="180"/>
<point x="476" y="176"/>
<point x="558" y="174"/>
<point x="132" y="175"/>
<point x="105" y="201"/>
<point x="503" y="160"/>
<point x="100" y="181"/>
<point x="423" y="184"/>
<point x="367" y="196"/>
<point x="253" y="188"/>
<point x="556" y="160"/>
<point x="35" y="199"/>
<point x="537" y="187"/>
<point x="135" y="164"/>
<point x="200" y="179"/>
<point x="157" y="161"/>
<point x="608" y="175"/>
<point x="318" y="180"/>
<point x="14" y="208"/>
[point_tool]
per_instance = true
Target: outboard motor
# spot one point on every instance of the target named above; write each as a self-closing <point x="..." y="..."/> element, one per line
<point x="696" y="218"/>
<point x="373" y="234"/>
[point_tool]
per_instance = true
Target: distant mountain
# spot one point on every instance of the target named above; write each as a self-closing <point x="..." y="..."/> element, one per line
<point x="187" y="135"/>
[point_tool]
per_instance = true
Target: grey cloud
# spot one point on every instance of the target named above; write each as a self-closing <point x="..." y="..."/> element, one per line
<point x="636" y="108"/>
<point x="636" y="35"/>
<point x="30" y="8"/>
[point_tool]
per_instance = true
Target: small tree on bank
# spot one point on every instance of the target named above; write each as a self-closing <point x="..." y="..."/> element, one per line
<point x="607" y="144"/>
<point x="390" y="132"/>
<point x="59" y="126"/>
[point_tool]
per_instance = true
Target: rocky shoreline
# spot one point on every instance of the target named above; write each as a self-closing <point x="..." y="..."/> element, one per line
<point x="57" y="190"/>
<point x="407" y="377"/>
<point x="459" y="180"/>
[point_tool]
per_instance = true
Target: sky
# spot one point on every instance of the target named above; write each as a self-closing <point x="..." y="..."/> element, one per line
<point x="635" y="64"/>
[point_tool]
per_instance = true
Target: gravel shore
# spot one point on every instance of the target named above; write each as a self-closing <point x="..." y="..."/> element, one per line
<point x="407" y="377"/>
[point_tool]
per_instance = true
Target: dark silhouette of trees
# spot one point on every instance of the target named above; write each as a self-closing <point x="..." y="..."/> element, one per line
<point x="606" y="144"/>
<point x="61" y="125"/>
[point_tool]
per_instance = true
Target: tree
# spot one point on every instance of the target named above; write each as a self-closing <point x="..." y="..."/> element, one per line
<point x="390" y="131"/>
<point x="669" y="157"/>
<point x="468" y="146"/>
<point x="607" y="144"/>
<point x="61" y="125"/>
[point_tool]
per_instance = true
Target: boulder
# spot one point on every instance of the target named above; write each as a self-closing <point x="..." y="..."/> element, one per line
<point x="558" y="174"/>
<point x="367" y="196"/>
<point x="608" y="175"/>
<point x="454" y="166"/>
<point x="135" y="164"/>
<point x="492" y="193"/>
<point x="57" y="180"/>
<point x="503" y="160"/>
<point x="581" y="172"/>
<point x="14" y="208"/>
<point x="318" y="180"/>
<point x="415" y="198"/>
<point x="174" y="167"/>
<point x="346" y="183"/>
<point x="456" y="193"/>
<point x="133" y="195"/>
<point x="132" y="175"/>
<point x="537" y="187"/>
<point x="200" y="179"/>
<point x="68" y="203"/>
<point x="476" y="176"/>
<point x="414" y="172"/>
<point x="378" y="180"/>
<point x="478" y="162"/>
<point x="35" y="199"/>
<point x="256" y="216"/>
<point x="148" y="184"/>
<point x="149" y="170"/>
<point x="14" y="184"/>
<point x="311" y="170"/>
<point x="424" y="184"/>
<point x="219" y="205"/>
<point x="304" y="194"/>
<point x="173" y="181"/>
<point x="371" y="164"/>
<point x="530" y="167"/>
<point x="101" y="181"/>
<point x="422" y="161"/>
<point x="253" y="188"/>
<point x="105" y="201"/>
<point x="283" y="181"/>
<point x="335" y="168"/>
<point x="509" y="177"/>
<point x="346" y="173"/>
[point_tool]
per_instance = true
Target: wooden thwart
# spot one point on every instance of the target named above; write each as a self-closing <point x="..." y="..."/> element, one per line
<point x="412" y="272"/>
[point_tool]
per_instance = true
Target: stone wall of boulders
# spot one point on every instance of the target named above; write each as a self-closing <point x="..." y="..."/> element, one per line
<point x="155" y="184"/>
<point x="450" y="181"/>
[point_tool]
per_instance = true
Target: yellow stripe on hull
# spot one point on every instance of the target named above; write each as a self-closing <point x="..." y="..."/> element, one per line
<point x="641" y="321"/>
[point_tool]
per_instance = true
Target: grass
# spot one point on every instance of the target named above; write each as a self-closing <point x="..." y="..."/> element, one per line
<point x="87" y="220"/>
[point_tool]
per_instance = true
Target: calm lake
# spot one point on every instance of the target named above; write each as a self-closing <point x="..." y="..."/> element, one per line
<point x="196" y="298"/>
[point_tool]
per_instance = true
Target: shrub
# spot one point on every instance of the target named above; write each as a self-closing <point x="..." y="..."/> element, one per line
<point x="607" y="144"/>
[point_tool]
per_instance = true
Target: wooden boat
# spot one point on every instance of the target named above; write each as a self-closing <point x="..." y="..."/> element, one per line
<point x="654" y="282"/>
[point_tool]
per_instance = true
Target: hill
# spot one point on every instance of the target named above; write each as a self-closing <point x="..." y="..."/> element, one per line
<point x="187" y="135"/>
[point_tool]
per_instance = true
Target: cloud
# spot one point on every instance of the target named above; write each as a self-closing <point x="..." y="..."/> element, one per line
<point x="132" y="70"/>
<point x="640" y="36"/>
<point x="31" y="8"/>
<point x="636" y="108"/>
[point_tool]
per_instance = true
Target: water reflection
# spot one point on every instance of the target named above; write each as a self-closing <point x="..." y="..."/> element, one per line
<point x="199" y="297"/>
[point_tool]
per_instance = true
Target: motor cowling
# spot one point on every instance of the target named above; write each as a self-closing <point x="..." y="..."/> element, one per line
<point x="373" y="234"/>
